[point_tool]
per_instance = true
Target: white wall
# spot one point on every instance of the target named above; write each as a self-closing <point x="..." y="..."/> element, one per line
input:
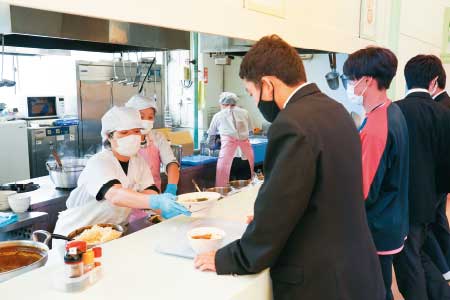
<point x="320" y="24"/>
<point x="421" y="25"/>
<point x="41" y="76"/>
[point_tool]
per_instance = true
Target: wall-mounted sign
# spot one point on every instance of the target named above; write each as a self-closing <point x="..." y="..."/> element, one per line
<point x="368" y="20"/>
<point x="270" y="7"/>
<point x="446" y="37"/>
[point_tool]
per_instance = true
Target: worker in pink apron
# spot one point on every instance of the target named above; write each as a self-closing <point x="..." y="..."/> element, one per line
<point x="156" y="149"/>
<point x="233" y="125"/>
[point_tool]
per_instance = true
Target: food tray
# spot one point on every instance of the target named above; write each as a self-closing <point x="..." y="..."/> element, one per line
<point x="177" y="244"/>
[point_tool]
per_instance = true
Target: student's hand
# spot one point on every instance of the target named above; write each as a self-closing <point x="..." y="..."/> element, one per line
<point x="206" y="261"/>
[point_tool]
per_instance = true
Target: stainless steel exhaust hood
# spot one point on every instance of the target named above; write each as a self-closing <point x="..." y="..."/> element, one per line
<point x="33" y="28"/>
<point x="235" y="47"/>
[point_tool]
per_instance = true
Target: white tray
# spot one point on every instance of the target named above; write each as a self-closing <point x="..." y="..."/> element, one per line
<point x="177" y="243"/>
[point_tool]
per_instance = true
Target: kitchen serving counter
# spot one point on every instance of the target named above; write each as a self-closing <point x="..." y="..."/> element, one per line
<point x="134" y="270"/>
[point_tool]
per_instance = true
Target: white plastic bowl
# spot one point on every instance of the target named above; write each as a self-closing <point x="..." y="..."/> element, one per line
<point x="19" y="203"/>
<point x="206" y="245"/>
<point x="202" y="208"/>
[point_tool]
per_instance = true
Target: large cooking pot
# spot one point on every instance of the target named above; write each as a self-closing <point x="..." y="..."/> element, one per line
<point x="67" y="176"/>
<point x="18" y="257"/>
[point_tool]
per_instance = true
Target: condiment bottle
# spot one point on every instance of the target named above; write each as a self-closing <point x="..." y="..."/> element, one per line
<point x="88" y="260"/>
<point x="80" y="245"/>
<point x="97" y="256"/>
<point x="73" y="262"/>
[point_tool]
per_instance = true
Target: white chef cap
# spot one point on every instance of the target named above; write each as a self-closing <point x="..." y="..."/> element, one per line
<point x="140" y="102"/>
<point x="228" y="98"/>
<point x="120" y="118"/>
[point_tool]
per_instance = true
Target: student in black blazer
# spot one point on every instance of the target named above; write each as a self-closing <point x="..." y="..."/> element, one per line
<point x="309" y="223"/>
<point x="437" y="245"/>
<point x="429" y="135"/>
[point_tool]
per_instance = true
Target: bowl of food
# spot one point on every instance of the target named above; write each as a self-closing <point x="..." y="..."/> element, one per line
<point x="19" y="203"/>
<point x="97" y="234"/>
<point x="199" y="203"/>
<point x="205" y="239"/>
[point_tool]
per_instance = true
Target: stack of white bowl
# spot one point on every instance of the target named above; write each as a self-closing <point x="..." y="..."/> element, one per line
<point x="4" y="205"/>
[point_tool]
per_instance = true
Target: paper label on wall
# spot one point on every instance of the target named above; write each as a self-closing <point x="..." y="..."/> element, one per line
<point x="72" y="137"/>
<point x="60" y="138"/>
<point x="270" y="7"/>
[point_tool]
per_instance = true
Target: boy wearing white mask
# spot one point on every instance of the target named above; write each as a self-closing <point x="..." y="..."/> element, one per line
<point x="157" y="149"/>
<point x="385" y="151"/>
<point x="116" y="179"/>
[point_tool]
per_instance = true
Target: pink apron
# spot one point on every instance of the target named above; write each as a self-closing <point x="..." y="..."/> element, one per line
<point x="151" y="156"/>
<point x="226" y="155"/>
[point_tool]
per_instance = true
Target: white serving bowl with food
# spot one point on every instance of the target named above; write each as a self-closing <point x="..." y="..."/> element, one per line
<point x="205" y="239"/>
<point x="199" y="203"/>
<point x="19" y="203"/>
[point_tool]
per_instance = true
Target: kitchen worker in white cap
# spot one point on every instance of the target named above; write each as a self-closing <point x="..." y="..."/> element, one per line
<point x="233" y="125"/>
<point x="157" y="149"/>
<point x="116" y="179"/>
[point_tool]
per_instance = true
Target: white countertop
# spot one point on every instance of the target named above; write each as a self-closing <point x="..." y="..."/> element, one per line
<point x="134" y="270"/>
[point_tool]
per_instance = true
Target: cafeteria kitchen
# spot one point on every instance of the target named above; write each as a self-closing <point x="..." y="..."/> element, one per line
<point x="217" y="191"/>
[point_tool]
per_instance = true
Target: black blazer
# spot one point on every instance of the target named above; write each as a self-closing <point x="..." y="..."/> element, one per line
<point x="443" y="99"/>
<point x="429" y="140"/>
<point x="309" y="222"/>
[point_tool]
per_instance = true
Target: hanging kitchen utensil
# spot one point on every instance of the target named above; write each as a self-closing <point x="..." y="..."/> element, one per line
<point x="344" y="80"/>
<point x="3" y="81"/>
<point x="137" y="79"/>
<point x="116" y="78"/>
<point x="130" y="66"/>
<point x="147" y="74"/>
<point x="333" y="76"/>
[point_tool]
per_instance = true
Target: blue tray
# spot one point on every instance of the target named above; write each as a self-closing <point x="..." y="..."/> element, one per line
<point x="196" y="160"/>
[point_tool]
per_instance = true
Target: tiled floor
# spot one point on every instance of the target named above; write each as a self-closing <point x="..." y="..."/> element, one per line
<point x="397" y="295"/>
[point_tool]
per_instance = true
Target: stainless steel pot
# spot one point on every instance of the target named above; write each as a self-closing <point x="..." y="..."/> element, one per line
<point x="238" y="184"/>
<point x="34" y="246"/>
<point x="67" y="176"/>
<point x="223" y="190"/>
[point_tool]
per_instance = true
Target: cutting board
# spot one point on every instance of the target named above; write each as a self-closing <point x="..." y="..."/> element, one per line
<point x="177" y="244"/>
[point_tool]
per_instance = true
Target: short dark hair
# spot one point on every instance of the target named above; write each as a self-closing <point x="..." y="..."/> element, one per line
<point x="421" y="69"/>
<point x="379" y="63"/>
<point x="272" y="56"/>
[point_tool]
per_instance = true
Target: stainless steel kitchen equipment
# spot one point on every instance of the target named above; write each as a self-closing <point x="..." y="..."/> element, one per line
<point x="66" y="177"/>
<point x="99" y="88"/>
<point x="34" y="246"/>
<point x="177" y="152"/>
<point x="14" y="163"/>
<point x="43" y="140"/>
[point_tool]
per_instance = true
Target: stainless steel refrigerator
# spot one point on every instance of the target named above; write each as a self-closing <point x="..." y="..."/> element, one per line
<point x="102" y="85"/>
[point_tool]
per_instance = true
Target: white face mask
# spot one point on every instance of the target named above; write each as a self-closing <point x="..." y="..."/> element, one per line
<point x="355" y="99"/>
<point x="147" y="125"/>
<point x="129" y="145"/>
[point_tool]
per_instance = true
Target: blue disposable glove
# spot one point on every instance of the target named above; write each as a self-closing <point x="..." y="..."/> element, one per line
<point x="171" y="188"/>
<point x="168" y="205"/>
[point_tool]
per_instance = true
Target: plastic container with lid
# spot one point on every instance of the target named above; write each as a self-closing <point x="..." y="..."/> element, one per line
<point x="73" y="263"/>
<point x="88" y="260"/>
<point x="80" y="245"/>
<point x="97" y="256"/>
